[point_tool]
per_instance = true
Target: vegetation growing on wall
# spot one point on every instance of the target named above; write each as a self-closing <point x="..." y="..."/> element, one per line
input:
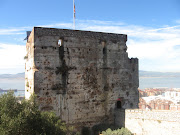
<point x="27" y="84"/>
<point x="25" y="57"/>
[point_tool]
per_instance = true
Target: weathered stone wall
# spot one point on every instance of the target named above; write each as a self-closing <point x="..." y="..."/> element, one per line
<point x="156" y="122"/>
<point x="29" y="66"/>
<point x="81" y="75"/>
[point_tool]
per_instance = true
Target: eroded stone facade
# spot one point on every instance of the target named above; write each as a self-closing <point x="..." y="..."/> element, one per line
<point x="83" y="76"/>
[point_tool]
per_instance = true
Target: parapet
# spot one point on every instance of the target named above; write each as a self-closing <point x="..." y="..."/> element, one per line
<point x="134" y="60"/>
<point x="40" y="31"/>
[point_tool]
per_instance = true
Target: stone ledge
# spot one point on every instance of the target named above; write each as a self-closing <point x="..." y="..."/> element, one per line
<point x="40" y="31"/>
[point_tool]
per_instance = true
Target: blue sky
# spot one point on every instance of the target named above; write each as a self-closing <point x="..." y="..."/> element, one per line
<point x="152" y="26"/>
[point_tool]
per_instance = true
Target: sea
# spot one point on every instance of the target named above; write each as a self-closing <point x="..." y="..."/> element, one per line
<point x="155" y="82"/>
<point x="19" y="85"/>
<point x="144" y="82"/>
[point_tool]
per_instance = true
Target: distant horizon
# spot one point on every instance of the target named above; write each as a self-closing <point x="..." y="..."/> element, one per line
<point x="139" y="70"/>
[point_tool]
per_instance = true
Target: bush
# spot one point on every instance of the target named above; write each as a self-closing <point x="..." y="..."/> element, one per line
<point x="24" y="118"/>
<point x="102" y="127"/>
<point x="122" y="131"/>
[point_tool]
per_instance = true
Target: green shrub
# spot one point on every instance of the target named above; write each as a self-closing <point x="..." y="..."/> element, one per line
<point x="122" y="131"/>
<point x="102" y="127"/>
<point x="24" y="118"/>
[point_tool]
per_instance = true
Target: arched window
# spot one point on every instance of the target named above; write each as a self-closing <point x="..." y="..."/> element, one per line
<point x="118" y="105"/>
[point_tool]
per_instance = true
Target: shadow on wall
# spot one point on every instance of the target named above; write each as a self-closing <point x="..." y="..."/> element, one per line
<point x="119" y="115"/>
<point x="119" y="121"/>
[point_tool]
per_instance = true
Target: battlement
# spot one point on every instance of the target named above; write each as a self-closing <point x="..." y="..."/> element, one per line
<point x="134" y="60"/>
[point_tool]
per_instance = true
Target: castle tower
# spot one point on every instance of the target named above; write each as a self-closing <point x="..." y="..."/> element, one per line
<point x="83" y="76"/>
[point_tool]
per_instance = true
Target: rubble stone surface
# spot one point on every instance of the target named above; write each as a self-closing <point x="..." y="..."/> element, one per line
<point x="83" y="76"/>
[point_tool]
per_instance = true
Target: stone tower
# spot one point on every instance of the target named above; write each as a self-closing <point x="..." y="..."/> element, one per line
<point x="83" y="76"/>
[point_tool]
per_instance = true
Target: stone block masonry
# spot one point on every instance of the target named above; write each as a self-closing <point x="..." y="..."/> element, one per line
<point x="83" y="76"/>
<point x="156" y="122"/>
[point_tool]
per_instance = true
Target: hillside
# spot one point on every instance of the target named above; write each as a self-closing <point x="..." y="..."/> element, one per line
<point x="147" y="79"/>
<point x="12" y="76"/>
<point x="141" y="74"/>
<point x="158" y="74"/>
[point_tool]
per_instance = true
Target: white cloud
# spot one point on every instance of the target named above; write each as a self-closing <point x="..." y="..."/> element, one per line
<point x="12" y="57"/>
<point x="98" y="22"/>
<point x="13" y="31"/>
<point x="58" y="25"/>
<point x="178" y="21"/>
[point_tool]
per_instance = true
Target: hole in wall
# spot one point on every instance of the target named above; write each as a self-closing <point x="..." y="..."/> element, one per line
<point x="60" y="42"/>
<point x="104" y="50"/>
<point x="118" y="105"/>
<point x="103" y="43"/>
<point x="127" y="93"/>
<point x="131" y="105"/>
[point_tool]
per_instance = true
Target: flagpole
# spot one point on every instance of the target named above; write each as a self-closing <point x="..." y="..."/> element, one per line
<point x="74" y="15"/>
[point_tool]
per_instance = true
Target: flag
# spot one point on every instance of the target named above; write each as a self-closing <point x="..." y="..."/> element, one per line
<point x="74" y="11"/>
<point x="74" y="14"/>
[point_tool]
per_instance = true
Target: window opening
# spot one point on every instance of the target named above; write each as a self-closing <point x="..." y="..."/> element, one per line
<point x="103" y="44"/>
<point x="104" y="47"/>
<point x="60" y="42"/>
<point x="118" y="105"/>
